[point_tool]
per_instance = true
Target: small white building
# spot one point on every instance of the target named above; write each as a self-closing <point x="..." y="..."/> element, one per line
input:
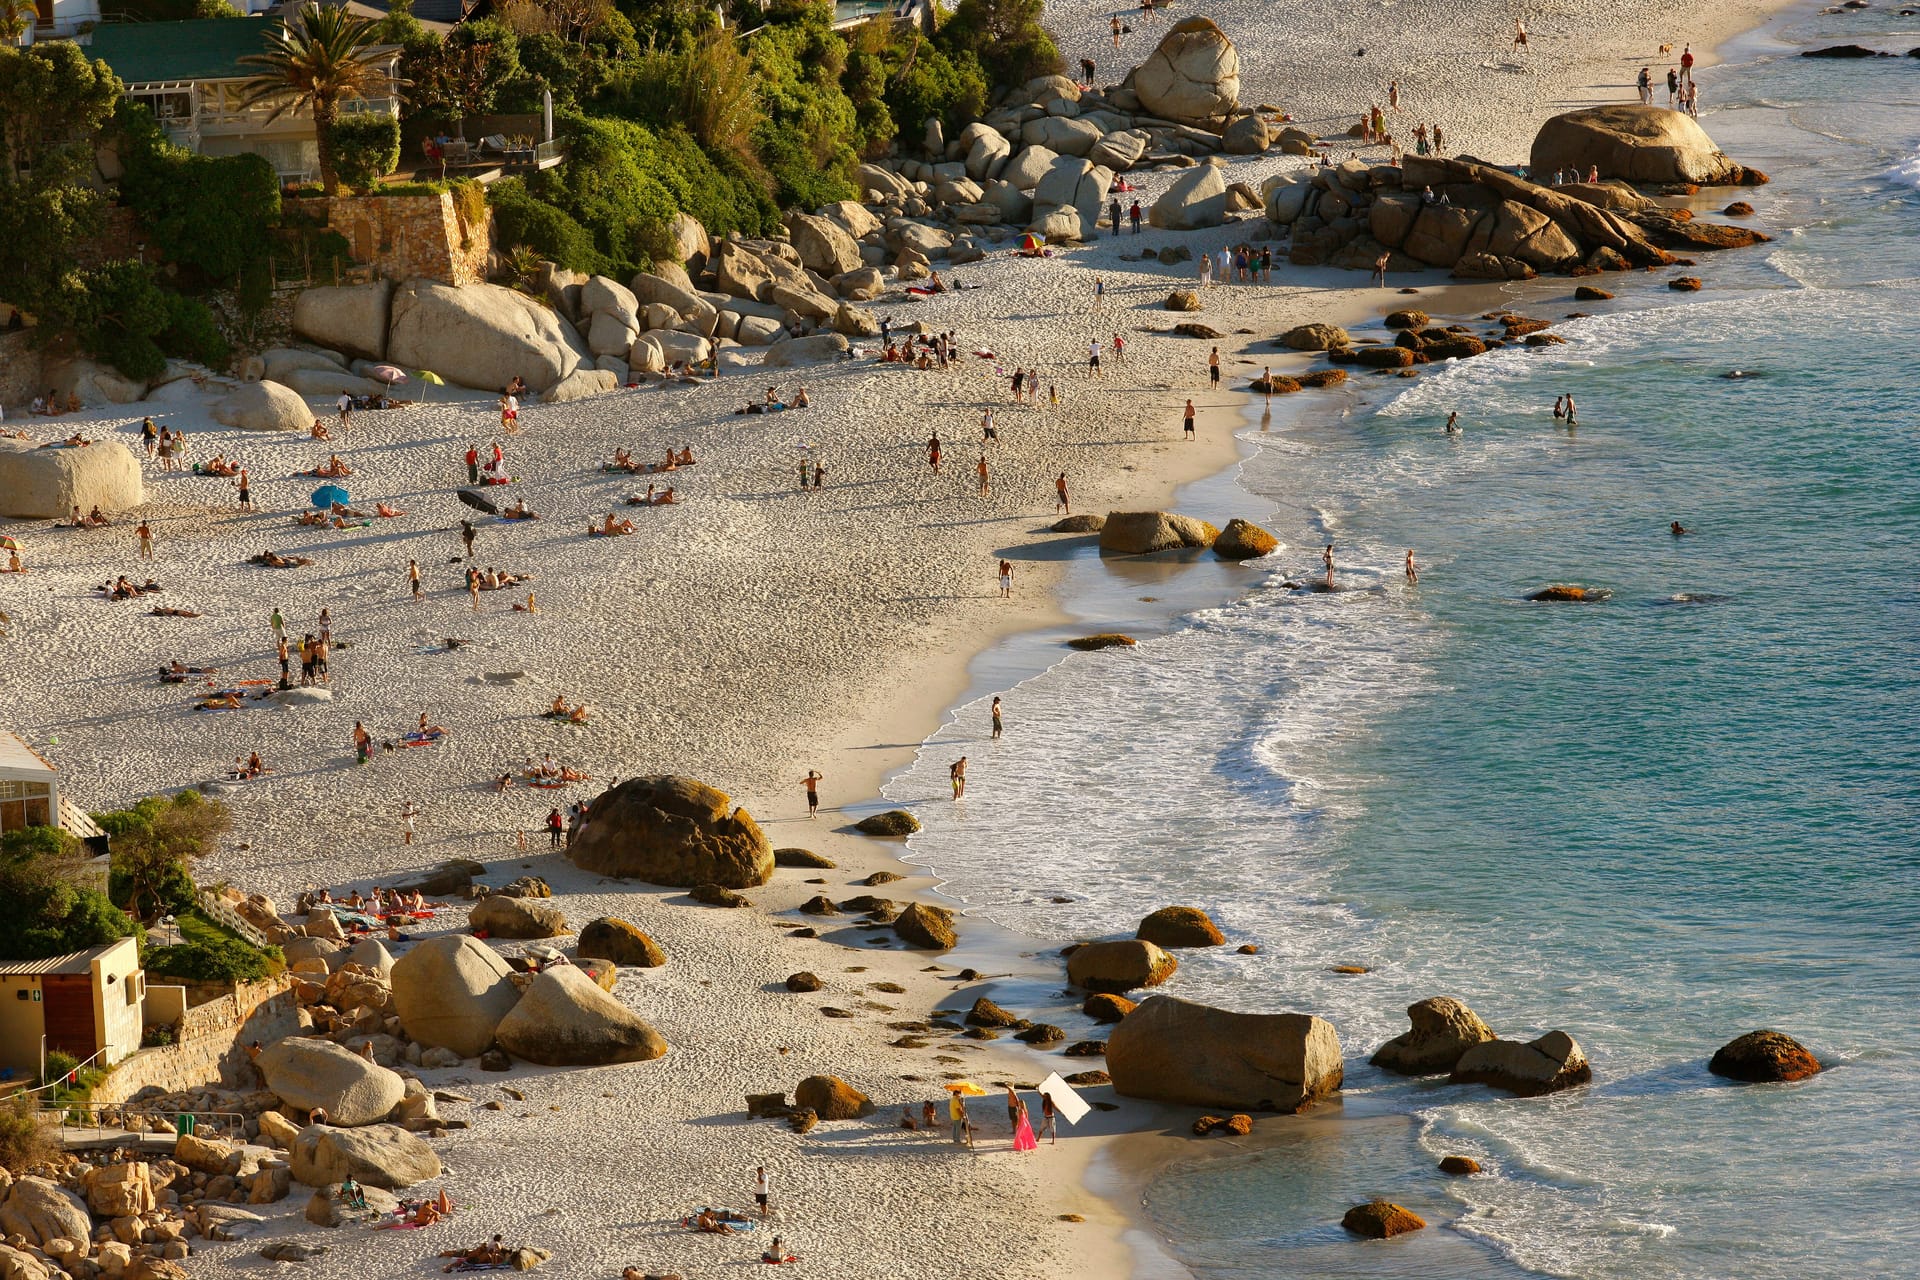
<point x="61" y="19"/>
<point x="83" y="1003"/>
<point x="29" y="787"/>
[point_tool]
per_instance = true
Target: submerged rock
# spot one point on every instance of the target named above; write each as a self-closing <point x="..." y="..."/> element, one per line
<point x="1553" y="1062"/>
<point x="1764" y="1056"/>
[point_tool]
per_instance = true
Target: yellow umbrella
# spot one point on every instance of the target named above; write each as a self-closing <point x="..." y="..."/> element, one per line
<point x="967" y="1087"/>
<point x="432" y="379"/>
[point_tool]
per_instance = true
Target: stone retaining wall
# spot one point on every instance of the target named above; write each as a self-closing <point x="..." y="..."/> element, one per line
<point x="211" y="1043"/>
<point x="402" y="237"/>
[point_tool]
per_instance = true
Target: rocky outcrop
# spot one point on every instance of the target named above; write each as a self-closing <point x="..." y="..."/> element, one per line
<point x="1103" y="1006"/>
<point x="49" y="483"/>
<point x="831" y="1098"/>
<point x="808" y="350"/>
<point x="1180" y="927"/>
<point x="670" y="830"/>
<point x="1443" y="1029"/>
<point x="1553" y="1062"/>
<point x="1197" y="198"/>
<point x="927" y="927"/>
<point x="481" y="336"/>
<point x="1635" y="143"/>
<point x="41" y="1212"/>
<point x="1192" y="77"/>
<point x="1764" y="1056"/>
<point x="95" y="382"/>
<point x="1244" y="540"/>
<point x="1087" y="523"/>
<point x="1314" y="337"/>
<point x="1118" y="967"/>
<point x="263" y="406"/>
<point x="500" y="916"/>
<point x="452" y="992"/>
<point x="305" y="1073"/>
<point x="1143" y="532"/>
<point x="564" y="1019"/>
<point x="1459" y="1166"/>
<point x="1173" y="1050"/>
<point x="1381" y="1220"/>
<point x="1102" y="640"/>
<point x="894" y="822"/>
<point x="350" y="319"/>
<point x="621" y="942"/>
<point x="381" y="1155"/>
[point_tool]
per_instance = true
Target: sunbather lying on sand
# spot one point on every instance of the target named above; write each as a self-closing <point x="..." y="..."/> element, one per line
<point x="610" y="527"/>
<point x="162" y="611"/>
<point x="490" y="1254"/>
<point x="519" y="511"/>
<point x="387" y="510"/>
<point x="274" y="560"/>
<point x="334" y="467"/>
<point x="121" y="589"/>
<point x="341" y="509"/>
<point x="321" y="518"/>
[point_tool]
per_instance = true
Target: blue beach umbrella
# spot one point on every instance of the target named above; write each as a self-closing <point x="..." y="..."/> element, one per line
<point x="327" y="494"/>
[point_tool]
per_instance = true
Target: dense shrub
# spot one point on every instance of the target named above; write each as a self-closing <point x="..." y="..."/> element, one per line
<point x="810" y="138"/>
<point x="25" y="1139"/>
<point x="366" y="148"/>
<point x="209" y="214"/>
<point x="47" y="912"/>
<point x="706" y="87"/>
<point x="214" y="960"/>
<point x="192" y="334"/>
<point x="154" y="843"/>
<point x="1006" y="37"/>
<point x="521" y="218"/>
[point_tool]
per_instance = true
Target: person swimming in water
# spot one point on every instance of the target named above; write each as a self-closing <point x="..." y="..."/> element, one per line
<point x="1453" y="424"/>
<point x="1678" y="529"/>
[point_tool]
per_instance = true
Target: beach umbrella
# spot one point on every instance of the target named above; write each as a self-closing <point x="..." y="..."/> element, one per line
<point x="387" y="373"/>
<point x="967" y="1088"/>
<point x="1071" y="1106"/>
<point x="8" y="544"/>
<point x="477" y="502"/>
<point x="432" y="379"/>
<point x="1032" y="240"/>
<point x="327" y="494"/>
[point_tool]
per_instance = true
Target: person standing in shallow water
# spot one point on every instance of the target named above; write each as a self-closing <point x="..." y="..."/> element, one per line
<point x="1413" y="573"/>
<point x="957" y="775"/>
<point x="1327" y="557"/>
<point x="996" y="713"/>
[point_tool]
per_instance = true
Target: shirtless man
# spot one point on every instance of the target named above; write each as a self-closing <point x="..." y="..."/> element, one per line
<point x="985" y="489"/>
<point x="146" y="541"/>
<point x="1327" y="557"/>
<point x="1413" y="572"/>
<point x="1060" y="490"/>
<point x="957" y="775"/>
<point x="1006" y="579"/>
<point x="933" y="452"/>
<point x="1453" y="424"/>
<point x="997" y="726"/>
<point x="812" y="783"/>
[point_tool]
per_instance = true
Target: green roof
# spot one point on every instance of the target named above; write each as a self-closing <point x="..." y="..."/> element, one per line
<point x="203" y="49"/>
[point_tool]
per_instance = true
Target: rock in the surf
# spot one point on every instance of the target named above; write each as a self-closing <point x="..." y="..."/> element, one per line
<point x="1764" y="1056"/>
<point x="1180" y="927"/>
<point x="1173" y="1050"/>
<point x="1244" y="540"/>
<point x="1118" y="967"/>
<point x="1381" y="1220"/>
<point x="1443" y="1029"/>
<point x="1553" y="1062"/>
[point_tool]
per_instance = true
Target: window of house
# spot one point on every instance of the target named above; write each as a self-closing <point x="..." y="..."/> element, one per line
<point x="25" y="804"/>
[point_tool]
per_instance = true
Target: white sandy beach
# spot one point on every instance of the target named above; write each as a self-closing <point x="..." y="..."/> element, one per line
<point x="742" y="638"/>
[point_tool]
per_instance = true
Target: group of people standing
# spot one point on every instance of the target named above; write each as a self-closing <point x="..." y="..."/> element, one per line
<point x="1683" y="94"/>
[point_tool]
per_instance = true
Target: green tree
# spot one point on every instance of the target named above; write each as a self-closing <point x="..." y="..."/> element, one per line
<point x="1006" y="37"/>
<point x="400" y="26"/>
<point x="52" y="103"/>
<point x="48" y="913"/>
<point x="212" y="214"/>
<point x="118" y="312"/>
<point x="463" y="75"/>
<point x="807" y="140"/>
<point x="366" y="147"/>
<point x="154" y="845"/>
<point x="320" y="59"/>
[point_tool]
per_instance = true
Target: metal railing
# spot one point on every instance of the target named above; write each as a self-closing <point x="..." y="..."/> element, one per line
<point x="51" y="1085"/>
<point x="105" y="1122"/>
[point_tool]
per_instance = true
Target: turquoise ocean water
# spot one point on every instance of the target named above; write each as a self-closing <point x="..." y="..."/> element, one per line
<point x="1657" y="822"/>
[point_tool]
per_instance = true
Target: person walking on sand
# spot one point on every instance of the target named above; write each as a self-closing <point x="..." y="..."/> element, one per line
<point x="987" y="430"/>
<point x="1115" y="24"/>
<point x="933" y="451"/>
<point x="1644" y="83"/>
<point x="1393" y="94"/>
<point x="149" y="435"/>
<point x="286" y="659"/>
<point x="1060" y="502"/>
<point x="1380" y="270"/>
<point x="1673" y="87"/>
<point x="1093" y="358"/>
<point x="957" y="1113"/>
<point x="762" y="1191"/>
<point x="345" y="405"/>
<point x="1187" y="422"/>
<point x="556" y="827"/>
<point x="1099" y="289"/>
<point x="473" y="587"/>
<point x="278" y="623"/>
<point x="146" y="540"/>
<point x="997" y="726"/>
<point x="1047" y="1119"/>
<point x="812" y="783"/>
<point x="957" y="775"/>
<point x="473" y="464"/>
<point x="509" y="413"/>
<point x="362" y="743"/>
<point x="467" y="534"/>
<point x="1006" y="579"/>
<point x="407" y="814"/>
<point x="1119" y="349"/>
<point x="985" y="489"/>
<point x="1133" y="216"/>
<point x="1413" y="571"/>
<point x="1520" y="36"/>
<point x="1439" y="142"/>
<point x="1213" y="367"/>
<point x="1686" y="63"/>
<point x="245" y="485"/>
<point x="413" y="578"/>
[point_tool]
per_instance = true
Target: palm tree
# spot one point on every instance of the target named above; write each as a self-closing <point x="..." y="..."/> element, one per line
<point x="16" y="19"/>
<point x="318" y="60"/>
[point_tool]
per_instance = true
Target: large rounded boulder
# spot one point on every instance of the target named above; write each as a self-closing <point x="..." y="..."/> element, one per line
<point x="1181" y="927"/>
<point x="1443" y="1029"/>
<point x="43" y="1211"/>
<point x="1553" y="1062"/>
<point x="501" y="916"/>
<point x="347" y="318"/>
<point x="620" y="941"/>
<point x="1141" y="532"/>
<point x="832" y="1098"/>
<point x="263" y="406"/>
<point x="481" y="335"/>
<point x="1197" y="198"/>
<point x="1760" y="1057"/>
<point x="1119" y="967"/>
<point x="566" y="1020"/>
<point x="451" y="993"/>
<point x="381" y="1155"/>
<point x="1193" y="77"/>
<point x="1244" y="540"/>
<point x="50" y="483"/>
<point x="305" y="1073"/>
<point x="1173" y="1050"/>
<point x="675" y="831"/>
<point x="1633" y="143"/>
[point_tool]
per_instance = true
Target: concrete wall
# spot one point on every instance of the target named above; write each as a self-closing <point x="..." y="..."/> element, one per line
<point x="118" y="986"/>
<point x="407" y="236"/>
<point x="212" y="1044"/>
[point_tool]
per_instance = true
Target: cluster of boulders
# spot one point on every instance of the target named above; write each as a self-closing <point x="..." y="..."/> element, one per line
<point x="121" y="1220"/>
<point x="1145" y="532"/>
<point x="1448" y="1038"/>
<point x="1045" y="159"/>
<point x="1484" y="222"/>
<point x="1417" y="340"/>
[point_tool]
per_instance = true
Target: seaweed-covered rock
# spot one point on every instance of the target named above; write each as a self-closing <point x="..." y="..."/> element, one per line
<point x="1244" y="540"/>
<point x="831" y="1098"/>
<point x="1381" y="1220"/>
<point x="1116" y="967"/>
<point x="1104" y="640"/>
<point x="1181" y="927"/>
<point x="671" y="830"/>
<point x="1104" y="1006"/>
<point x="1315" y="337"/>
<point x="1459" y="1166"/>
<point x="894" y="822"/>
<point x="927" y="927"/>
<point x="1763" y="1056"/>
<point x="801" y="858"/>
